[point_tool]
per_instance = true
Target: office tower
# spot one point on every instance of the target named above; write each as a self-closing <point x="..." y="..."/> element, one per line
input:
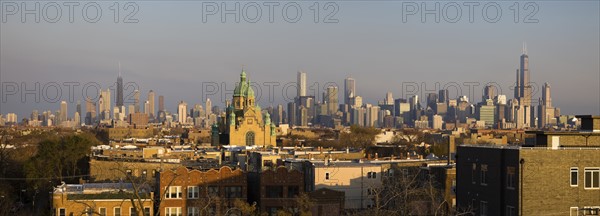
<point x="279" y="115"/>
<point x="151" y="106"/>
<point x="358" y="116"/>
<point x="331" y="99"/>
<point x="291" y="111"/>
<point x="489" y="92"/>
<point x="371" y="118"/>
<point x="301" y="82"/>
<point x="389" y="99"/>
<point x="546" y="99"/>
<point x="437" y="122"/>
<point x="546" y="113"/>
<point x="78" y="108"/>
<point x="147" y="107"/>
<point x="432" y="99"/>
<point x="302" y="116"/>
<point x="182" y="112"/>
<point x="34" y="115"/>
<point x="501" y="99"/>
<point x="136" y="100"/>
<point x="77" y="119"/>
<point x="90" y="111"/>
<point x="11" y="118"/>
<point x="443" y="96"/>
<point x="523" y="86"/>
<point x="349" y="89"/>
<point x="130" y="109"/>
<point x="119" y="99"/>
<point x="487" y="113"/>
<point x="105" y="106"/>
<point x="63" y="111"/>
<point x="356" y="101"/>
<point x="208" y="105"/>
<point x="161" y="103"/>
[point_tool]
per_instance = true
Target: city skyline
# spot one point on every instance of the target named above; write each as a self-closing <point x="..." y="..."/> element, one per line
<point x="370" y="43"/>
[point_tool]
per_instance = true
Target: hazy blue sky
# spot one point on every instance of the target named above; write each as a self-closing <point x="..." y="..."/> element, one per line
<point x="172" y="51"/>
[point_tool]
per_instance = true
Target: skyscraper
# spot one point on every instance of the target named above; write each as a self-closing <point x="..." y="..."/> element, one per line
<point x="546" y="99"/>
<point x="182" y="112"/>
<point x="489" y="92"/>
<point x="151" y="106"/>
<point x="546" y="113"/>
<point x="331" y="98"/>
<point x="389" y="99"/>
<point x="301" y="81"/>
<point x="78" y="108"/>
<point x="90" y="111"/>
<point x="63" y="111"/>
<point x="523" y="82"/>
<point x="443" y="96"/>
<point x="161" y="103"/>
<point x="208" y="105"/>
<point x="136" y="101"/>
<point x="119" y="99"/>
<point x="105" y="105"/>
<point x="349" y="89"/>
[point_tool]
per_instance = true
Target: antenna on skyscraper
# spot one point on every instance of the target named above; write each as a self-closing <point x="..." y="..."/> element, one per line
<point x="119" y="69"/>
<point x="524" y="48"/>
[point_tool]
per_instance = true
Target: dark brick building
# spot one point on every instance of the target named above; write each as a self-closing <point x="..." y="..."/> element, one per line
<point x="505" y="180"/>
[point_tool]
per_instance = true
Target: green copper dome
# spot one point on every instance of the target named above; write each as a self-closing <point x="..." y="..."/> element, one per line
<point x="241" y="88"/>
<point x="249" y="90"/>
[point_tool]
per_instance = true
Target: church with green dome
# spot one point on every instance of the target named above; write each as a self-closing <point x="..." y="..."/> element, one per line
<point x="244" y="123"/>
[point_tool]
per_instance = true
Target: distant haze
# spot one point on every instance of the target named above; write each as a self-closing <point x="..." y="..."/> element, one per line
<point x="172" y="51"/>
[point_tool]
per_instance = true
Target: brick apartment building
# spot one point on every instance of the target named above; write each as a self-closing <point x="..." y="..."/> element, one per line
<point x="502" y="180"/>
<point x="194" y="192"/>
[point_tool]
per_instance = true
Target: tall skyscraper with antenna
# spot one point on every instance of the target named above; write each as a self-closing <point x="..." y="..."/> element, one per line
<point x="119" y="98"/>
<point x="523" y="92"/>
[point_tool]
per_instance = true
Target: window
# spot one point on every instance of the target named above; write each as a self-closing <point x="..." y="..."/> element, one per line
<point x="250" y="137"/>
<point x="484" y="174"/>
<point x="574" y="176"/>
<point x="102" y="211"/>
<point x="371" y="191"/>
<point x="592" y="178"/>
<point x="473" y="173"/>
<point x="129" y="172"/>
<point x="154" y="173"/>
<point x="589" y="210"/>
<point x="372" y="175"/>
<point x="274" y="191"/>
<point x="510" y="211"/>
<point x="133" y="211"/>
<point x="326" y="176"/>
<point x="510" y="177"/>
<point x="174" y="192"/>
<point x="193" y="211"/>
<point x="146" y="211"/>
<point x="62" y="212"/>
<point x="144" y="173"/>
<point x="233" y="192"/>
<point x="293" y="191"/>
<point x="173" y="211"/>
<point x="117" y="211"/>
<point x="483" y="208"/>
<point x="213" y="190"/>
<point x="574" y="211"/>
<point x="193" y="192"/>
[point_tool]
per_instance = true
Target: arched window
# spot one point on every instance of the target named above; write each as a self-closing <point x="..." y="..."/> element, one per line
<point x="250" y="138"/>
